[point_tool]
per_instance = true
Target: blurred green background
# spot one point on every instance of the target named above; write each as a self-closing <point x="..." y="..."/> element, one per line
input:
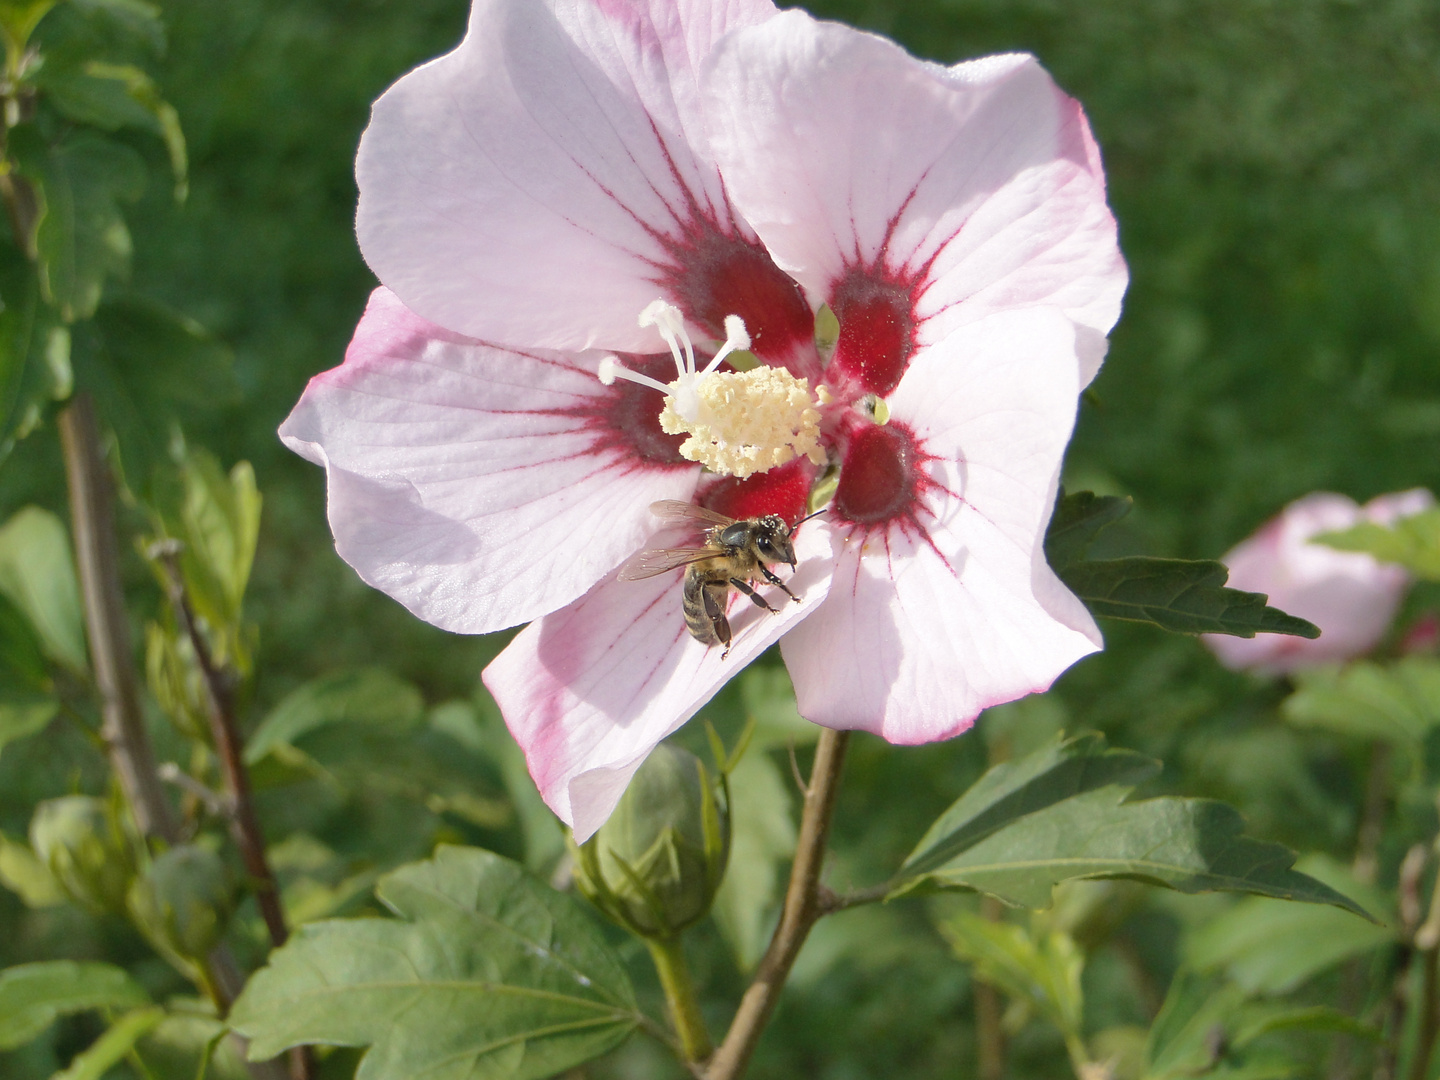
<point x="1275" y="169"/>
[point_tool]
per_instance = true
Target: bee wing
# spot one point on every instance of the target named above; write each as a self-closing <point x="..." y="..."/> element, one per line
<point x="652" y="561"/>
<point x="675" y="512"/>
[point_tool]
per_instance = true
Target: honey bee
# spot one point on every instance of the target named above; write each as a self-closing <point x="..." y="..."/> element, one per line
<point x="735" y="555"/>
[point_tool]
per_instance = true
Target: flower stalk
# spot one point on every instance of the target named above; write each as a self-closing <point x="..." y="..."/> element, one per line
<point x="669" y="956"/>
<point x="804" y="905"/>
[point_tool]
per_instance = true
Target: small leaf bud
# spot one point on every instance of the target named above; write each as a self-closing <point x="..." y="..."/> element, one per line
<point x="85" y="849"/>
<point x="655" y="866"/>
<point x="183" y="900"/>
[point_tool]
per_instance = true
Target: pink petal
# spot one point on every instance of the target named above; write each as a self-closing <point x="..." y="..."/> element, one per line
<point x="926" y="624"/>
<point x="523" y="188"/>
<point x="1350" y="596"/>
<point x="479" y="487"/>
<point x="589" y="691"/>
<point x="974" y="189"/>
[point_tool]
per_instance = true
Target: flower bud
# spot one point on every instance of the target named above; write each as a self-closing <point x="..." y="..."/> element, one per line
<point x="85" y="849"/>
<point x="183" y="900"/>
<point x="656" y="864"/>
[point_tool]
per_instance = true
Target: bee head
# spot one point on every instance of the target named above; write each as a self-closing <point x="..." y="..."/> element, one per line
<point x="772" y="540"/>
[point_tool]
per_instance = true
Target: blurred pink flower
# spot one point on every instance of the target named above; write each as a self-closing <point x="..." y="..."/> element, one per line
<point x="1350" y="596"/>
<point x="526" y="197"/>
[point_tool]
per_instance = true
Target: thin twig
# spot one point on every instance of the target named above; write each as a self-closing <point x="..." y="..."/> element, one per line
<point x="801" y="910"/>
<point x="220" y="708"/>
<point x="97" y="557"/>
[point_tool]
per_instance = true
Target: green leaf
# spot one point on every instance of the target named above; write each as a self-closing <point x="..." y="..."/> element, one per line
<point x="33" y="996"/>
<point x="216" y="518"/>
<point x="1257" y="1020"/>
<point x="1397" y="703"/>
<point x="1183" y="1038"/>
<point x="1177" y="594"/>
<point x="1077" y="520"/>
<point x="35" y="361"/>
<point x="762" y="841"/>
<point x="1270" y="946"/>
<point x="112" y="96"/>
<point x="26" y="876"/>
<point x="81" y="239"/>
<point x="1192" y="845"/>
<point x="366" y="696"/>
<point x="1008" y="792"/>
<point x="768" y="696"/>
<point x="488" y="972"/>
<point x="117" y="1042"/>
<point x="148" y="366"/>
<point x="188" y="1035"/>
<point x="18" y="19"/>
<point x="481" y="728"/>
<point x="1413" y="542"/>
<point x="100" y="27"/>
<point x="1044" y="971"/>
<point x="37" y="574"/>
<point x="19" y="719"/>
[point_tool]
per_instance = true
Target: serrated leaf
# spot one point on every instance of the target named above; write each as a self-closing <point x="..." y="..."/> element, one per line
<point x="1397" y="703"/>
<point x="762" y="840"/>
<point x="37" y="574"/>
<point x="1191" y="845"/>
<point x="33" y="996"/>
<point x="1077" y="520"/>
<point x="1413" y="542"/>
<point x="1177" y="594"/>
<point x="366" y="696"/>
<point x="488" y="972"/>
<point x="1044" y="971"/>
<point x="1008" y="792"/>
<point x="81" y="239"/>
<point x="117" y="1042"/>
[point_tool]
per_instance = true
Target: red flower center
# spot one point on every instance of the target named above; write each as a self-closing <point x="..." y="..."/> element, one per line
<point x="880" y="479"/>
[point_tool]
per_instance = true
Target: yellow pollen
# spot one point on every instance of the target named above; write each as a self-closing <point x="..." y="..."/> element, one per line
<point x="745" y="422"/>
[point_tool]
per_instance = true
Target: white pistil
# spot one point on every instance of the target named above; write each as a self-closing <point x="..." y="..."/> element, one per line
<point x="739" y="422"/>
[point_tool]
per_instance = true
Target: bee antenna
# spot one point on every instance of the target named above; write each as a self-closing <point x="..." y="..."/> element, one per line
<point x="807" y="517"/>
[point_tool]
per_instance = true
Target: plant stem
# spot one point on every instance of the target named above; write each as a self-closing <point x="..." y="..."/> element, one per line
<point x="989" y="1038"/>
<point x="669" y="956"/>
<point x="801" y="910"/>
<point x="97" y="557"/>
<point x="92" y="518"/>
<point x="220" y="707"/>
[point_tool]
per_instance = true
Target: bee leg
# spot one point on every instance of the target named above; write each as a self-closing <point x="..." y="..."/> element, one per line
<point x="714" y="600"/>
<point x="755" y="598"/>
<point x="769" y="576"/>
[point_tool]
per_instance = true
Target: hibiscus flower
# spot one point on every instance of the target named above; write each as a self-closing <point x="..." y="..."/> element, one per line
<point x="807" y="266"/>
<point x="1349" y="595"/>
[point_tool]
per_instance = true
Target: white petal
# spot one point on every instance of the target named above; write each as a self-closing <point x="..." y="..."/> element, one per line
<point x="589" y="691"/>
<point x="474" y="485"/>
<point x="979" y="186"/>
<point x="523" y="188"/>
<point x="926" y="624"/>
